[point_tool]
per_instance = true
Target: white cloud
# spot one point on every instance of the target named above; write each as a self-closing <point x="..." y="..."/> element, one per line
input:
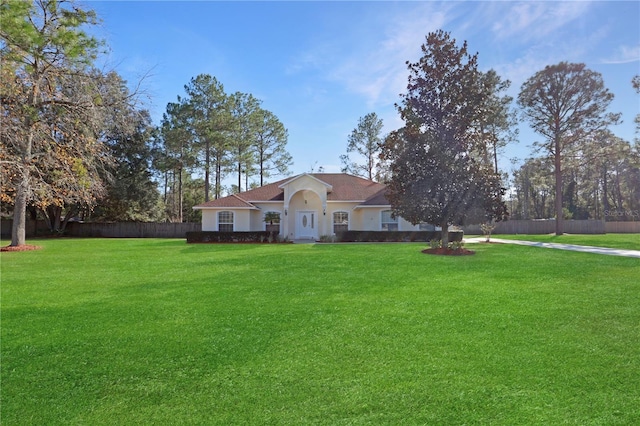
<point x="377" y="68"/>
<point x="624" y="54"/>
<point x="535" y="20"/>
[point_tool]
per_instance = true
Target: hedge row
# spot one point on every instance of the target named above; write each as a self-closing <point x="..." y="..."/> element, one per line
<point x="347" y="236"/>
<point x="395" y="236"/>
<point x="233" y="237"/>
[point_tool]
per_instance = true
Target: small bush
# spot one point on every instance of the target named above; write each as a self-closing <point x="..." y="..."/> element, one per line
<point x="264" y="237"/>
<point x="435" y="244"/>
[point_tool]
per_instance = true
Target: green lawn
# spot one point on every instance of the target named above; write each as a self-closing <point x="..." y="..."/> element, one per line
<point x="621" y="241"/>
<point x="104" y="332"/>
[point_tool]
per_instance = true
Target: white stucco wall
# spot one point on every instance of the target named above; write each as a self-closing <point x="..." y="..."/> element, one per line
<point x="241" y="219"/>
<point x="257" y="216"/>
<point x="209" y="220"/>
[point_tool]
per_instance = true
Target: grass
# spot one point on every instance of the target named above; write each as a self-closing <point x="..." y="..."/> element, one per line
<point x="620" y="241"/>
<point x="160" y="332"/>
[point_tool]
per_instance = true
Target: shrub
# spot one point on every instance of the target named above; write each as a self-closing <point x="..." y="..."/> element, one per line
<point x="395" y="236"/>
<point x="232" y="237"/>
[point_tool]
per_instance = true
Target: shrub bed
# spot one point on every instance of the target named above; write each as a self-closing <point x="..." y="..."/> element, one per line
<point x="395" y="236"/>
<point x="233" y="237"/>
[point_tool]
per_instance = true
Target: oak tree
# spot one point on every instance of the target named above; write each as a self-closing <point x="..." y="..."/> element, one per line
<point x="48" y="106"/>
<point x="436" y="175"/>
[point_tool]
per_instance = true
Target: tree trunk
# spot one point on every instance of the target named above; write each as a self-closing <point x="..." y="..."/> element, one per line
<point x="180" y="195"/>
<point x="18" y="229"/>
<point x="207" y="164"/>
<point x="239" y="176"/>
<point x="444" y="234"/>
<point x="558" y="176"/>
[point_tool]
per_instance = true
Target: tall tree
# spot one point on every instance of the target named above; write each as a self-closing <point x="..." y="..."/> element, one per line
<point x="436" y="178"/>
<point x="177" y="156"/>
<point x="498" y="120"/>
<point x="635" y="82"/>
<point x="533" y="184"/>
<point x="50" y="105"/>
<point x="270" y="146"/>
<point x="366" y="141"/>
<point x="245" y="116"/>
<point x="565" y="103"/>
<point x="209" y="121"/>
<point x="132" y="194"/>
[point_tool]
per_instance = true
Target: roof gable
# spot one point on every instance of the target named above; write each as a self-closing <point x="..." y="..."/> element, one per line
<point x="309" y="176"/>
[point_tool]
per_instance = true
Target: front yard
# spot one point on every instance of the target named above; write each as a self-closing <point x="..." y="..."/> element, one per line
<point x="160" y="332"/>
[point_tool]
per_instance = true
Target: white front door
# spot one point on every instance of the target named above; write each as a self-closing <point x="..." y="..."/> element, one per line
<point x="306" y="225"/>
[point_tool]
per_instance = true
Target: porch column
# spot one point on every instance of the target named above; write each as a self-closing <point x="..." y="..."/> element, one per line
<point x="284" y="221"/>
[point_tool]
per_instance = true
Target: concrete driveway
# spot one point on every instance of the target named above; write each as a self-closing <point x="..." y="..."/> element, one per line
<point x="572" y="247"/>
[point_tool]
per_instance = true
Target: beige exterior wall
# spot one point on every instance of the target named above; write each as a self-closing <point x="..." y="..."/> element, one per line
<point x="371" y="220"/>
<point x="257" y="216"/>
<point x="360" y="219"/>
<point x="209" y="220"/>
<point x="241" y="219"/>
<point x="354" y="216"/>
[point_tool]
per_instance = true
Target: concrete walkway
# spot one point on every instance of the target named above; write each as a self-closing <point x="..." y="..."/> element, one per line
<point x="573" y="247"/>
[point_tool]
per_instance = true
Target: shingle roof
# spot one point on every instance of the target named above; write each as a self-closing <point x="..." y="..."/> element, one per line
<point x="378" y="199"/>
<point x="345" y="187"/>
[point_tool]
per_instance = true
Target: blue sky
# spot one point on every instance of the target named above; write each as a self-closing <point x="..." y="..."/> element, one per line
<point x="320" y="66"/>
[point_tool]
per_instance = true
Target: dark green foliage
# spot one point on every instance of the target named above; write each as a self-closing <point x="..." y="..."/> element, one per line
<point x="440" y="171"/>
<point x="232" y="237"/>
<point x="395" y="236"/>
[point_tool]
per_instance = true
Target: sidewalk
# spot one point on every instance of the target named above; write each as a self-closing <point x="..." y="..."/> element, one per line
<point x="572" y="247"/>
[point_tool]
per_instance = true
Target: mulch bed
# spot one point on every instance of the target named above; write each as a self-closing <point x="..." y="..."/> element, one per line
<point x="23" y="247"/>
<point x="449" y="252"/>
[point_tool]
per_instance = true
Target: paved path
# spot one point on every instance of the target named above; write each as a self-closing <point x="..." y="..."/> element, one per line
<point x="573" y="247"/>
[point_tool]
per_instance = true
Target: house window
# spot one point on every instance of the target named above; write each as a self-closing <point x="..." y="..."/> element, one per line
<point x="272" y="222"/>
<point x="388" y="222"/>
<point x="427" y="227"/>
<point x="225" y="221"/>
<point x="340" y="222"/>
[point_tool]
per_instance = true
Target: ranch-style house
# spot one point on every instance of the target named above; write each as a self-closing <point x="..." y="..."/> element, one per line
<point x="306" y="206"/>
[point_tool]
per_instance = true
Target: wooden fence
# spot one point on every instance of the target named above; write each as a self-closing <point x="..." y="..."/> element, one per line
<point x="622" y="227"/>
<point x="131" y="230"/>
<point x="549" y="227"/>
<point x="110" y="230"/>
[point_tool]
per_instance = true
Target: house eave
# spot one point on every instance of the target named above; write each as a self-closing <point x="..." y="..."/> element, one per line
<point x="224" y="208"/>
<point x="373" y="206"/>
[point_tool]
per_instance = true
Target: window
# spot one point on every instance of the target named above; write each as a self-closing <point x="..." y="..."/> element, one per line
<point x="340" y="222"/>
<point x="225" y="221"/>
<point x="427" y="227"/>
<point x="388" y="222"/>
<point x="272" y="222"/>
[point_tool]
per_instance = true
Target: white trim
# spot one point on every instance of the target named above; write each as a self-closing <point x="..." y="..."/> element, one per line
<point x="233" y="216"/>
<point x="333" y="224"/>
<point x="314" y="222"/>
<point x="397" y="220"/>
<point x="225" y="208"/>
